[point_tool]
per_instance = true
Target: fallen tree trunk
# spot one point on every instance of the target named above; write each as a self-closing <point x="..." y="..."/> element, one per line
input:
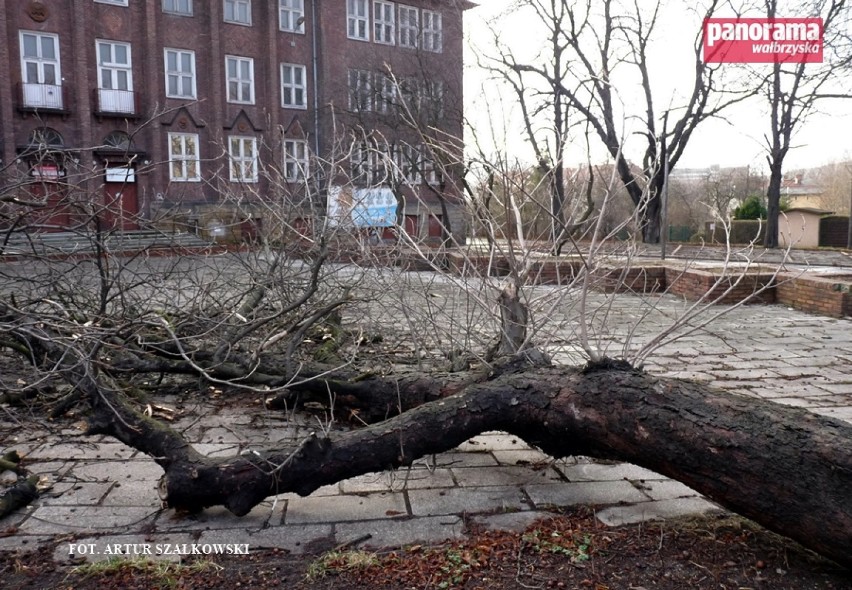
<point x="786" y="468"/>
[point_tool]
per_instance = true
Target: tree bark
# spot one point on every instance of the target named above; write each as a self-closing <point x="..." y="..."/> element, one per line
<point x="786" y="468"/>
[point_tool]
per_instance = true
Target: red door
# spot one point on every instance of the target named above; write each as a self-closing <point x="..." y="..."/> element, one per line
<point x="435" y="227"/>
<point x="121" y="207"/>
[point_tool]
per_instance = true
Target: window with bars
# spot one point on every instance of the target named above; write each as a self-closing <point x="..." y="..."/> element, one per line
<point x="294" y="89"/>
<point x="184" y="161"/>
<point x="358" y="19"/>
<point x="242" y="152"/>
<point x="180" y="73"/>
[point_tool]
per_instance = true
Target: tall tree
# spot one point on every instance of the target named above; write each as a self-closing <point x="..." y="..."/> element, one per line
<point x="794" y="90"/>
<point x="595" y="69"/>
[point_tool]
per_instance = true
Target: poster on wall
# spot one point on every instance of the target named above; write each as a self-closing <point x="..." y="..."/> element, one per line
<point x="365" y="207"/>
<point x="373" y="207"/>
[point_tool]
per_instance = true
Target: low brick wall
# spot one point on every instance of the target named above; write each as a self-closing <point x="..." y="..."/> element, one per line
<point x="694" y="284"/>
<point x="824" y="295"/>
<point x="636" y="279"/>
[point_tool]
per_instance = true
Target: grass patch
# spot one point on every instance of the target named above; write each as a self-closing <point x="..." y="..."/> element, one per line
<point x="333" y="562"/>
<point x="160" y="574"/>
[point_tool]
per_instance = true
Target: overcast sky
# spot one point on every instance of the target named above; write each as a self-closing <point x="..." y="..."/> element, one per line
<point x="822" y="139"/>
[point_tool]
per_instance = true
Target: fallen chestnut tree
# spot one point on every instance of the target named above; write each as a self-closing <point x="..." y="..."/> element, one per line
<point x="786" y="468"/>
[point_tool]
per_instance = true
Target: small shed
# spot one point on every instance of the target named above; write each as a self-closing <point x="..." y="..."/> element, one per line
<point x="800" y="226"/>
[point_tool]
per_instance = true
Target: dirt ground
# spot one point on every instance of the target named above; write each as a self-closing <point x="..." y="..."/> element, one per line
<point x="571" y="550"/>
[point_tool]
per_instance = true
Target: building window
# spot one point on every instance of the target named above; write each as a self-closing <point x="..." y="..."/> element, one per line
<point x="384" y="22"/>
<point x="360" y="91"/>
<point x="358" y="19"/>
<point x="385" y="93"/>
<point x="115" y="77"/>
<point x="240" y="79"/>
<point x="294" y="93"/>
<point x="408" y="26"/>
<point x="184" y="164"/>
<point x="183" y="7"/>
<point x="238" y="11"/>
<point x="116" y="2"/>
<point x="291" y="15"/>
<point x="40" y="68"/>
<point x="180" y="73"/>
<point x="432" y="99"/>
<point x="295" y="160"/>
<point x="243" y="155"/>
<point x="433" y="36"/>
<point x="407" y="161"/>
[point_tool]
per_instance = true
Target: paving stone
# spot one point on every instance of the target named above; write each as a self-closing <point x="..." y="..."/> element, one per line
<point x="842" y="413"/>
<point x="60" y="520"/>
<point x="297" y="539"/>
<point x="603" y="472"/>
<point x="135" y="469"/>
<point x="592" y="492"/>
<point x="19" y="542"/>
<point x="398" y="533"/>
<point x="620" y="515"/>
<point x="82" y="494"/>
<point x="219" y="449"/>
<point x="466" y="500"/>
<point x="218" y="517"/>
<point x="522" y="457"/>
<point x="142" y="492"/>
<point x="345" y="508"/>
<point x="102" y="548"/>
<point x="666" y="490"/>
<point x="503" y="475"/>
<point x="468" y="459"/>
<point x="510" y="521"/>
<point x="411" y="479"/>
<point x="493" y="442"/>
<point x="222" y="435"/>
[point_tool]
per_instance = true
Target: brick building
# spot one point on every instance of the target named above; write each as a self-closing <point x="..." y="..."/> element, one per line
<point x="230" y="115"/>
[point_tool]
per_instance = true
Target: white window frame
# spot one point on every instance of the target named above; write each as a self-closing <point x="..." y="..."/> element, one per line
<point x="114" y="68"/>
<point x="358" y="19"/>
<point x="242" y="156"/>
<point x="40" y="61"/>
<point x="234" y="6"/>
<point x="384" y="22"/>
<point x="409" y="29"/>
<point x="190" y="163"/>
<point x="116" y="2"/>
<point x="360" y="91"/>
<point x="296" y="160"/>
<point x="237" y="85"/>
<point x="181" y="7"/>
<point x="44" y="89"/>
<point x="181" y="77"/>
<point x="432" y="38"/>
<point x="290" y="12"/>
<point x="292" y="91"/>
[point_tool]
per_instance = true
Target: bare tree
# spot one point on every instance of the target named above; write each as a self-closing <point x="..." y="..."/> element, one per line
<point x="795" y="90"/>
<point x="583" y="76"/>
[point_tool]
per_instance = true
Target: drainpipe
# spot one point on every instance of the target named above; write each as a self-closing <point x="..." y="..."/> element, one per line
<point x="314" y="30"/>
